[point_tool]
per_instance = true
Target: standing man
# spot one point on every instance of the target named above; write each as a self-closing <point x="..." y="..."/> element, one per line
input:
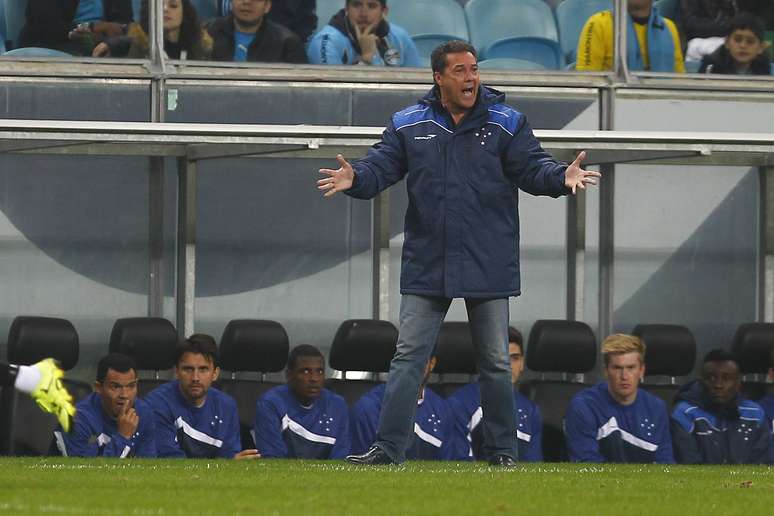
<point x="464" y="153"/>
<point x="111" y="422"/>
<point x="194" y="419"/>
<point x="246" y="34"/>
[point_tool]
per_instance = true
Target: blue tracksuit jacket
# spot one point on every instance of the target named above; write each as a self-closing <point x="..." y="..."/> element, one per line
<point x="599" y="429"/>
<point x="466" y="405"/>
<point x="705" y="434"/>
<point x="183" y="430"/>
<point x="462" y="223"/>
<point x="285" y="428"/>
<point x="433" y="437"/>
<point x="95" y="434"/>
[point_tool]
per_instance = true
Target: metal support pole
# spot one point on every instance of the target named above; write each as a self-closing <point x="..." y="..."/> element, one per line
<point x="571" y="250"/>
<point x="155" y="236"/>
<point x="186" y="246"/>
<point x="621" y="23"/>
<point x="606" y="221"/>
<point x="380" y="256"/>
<point x="766" y="246"/>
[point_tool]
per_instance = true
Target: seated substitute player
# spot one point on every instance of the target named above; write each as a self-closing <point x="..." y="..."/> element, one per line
<point x="433" y="438"/>
<point x="360" y="34"/>
<point x="42" y="381"/>
<point x="466" y="406"/>
<point x="302" y="420"/>
<point x="614" y="421"/>
<point x="192" y="418"/>
<point x="712" y="423"/>
<point x="112" y="421"/>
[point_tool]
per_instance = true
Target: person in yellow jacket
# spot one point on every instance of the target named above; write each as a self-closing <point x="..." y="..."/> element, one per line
<point x="653" y="43"/>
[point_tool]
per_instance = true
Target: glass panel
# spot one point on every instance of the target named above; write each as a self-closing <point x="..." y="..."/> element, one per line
<point x="73" y="244"/>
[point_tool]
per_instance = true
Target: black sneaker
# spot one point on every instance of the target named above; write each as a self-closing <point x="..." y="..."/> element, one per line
<point x="503" y="461"/>
<point x="372" y="457"/>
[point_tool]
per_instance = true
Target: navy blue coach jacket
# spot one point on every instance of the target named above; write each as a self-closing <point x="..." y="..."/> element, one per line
<point x="462" y="221"/>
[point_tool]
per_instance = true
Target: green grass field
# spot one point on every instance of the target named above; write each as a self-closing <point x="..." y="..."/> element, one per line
<point x="77" y="486"/>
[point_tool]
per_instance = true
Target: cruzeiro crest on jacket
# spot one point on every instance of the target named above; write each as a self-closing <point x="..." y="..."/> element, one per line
<point x="196" y="443"/>
<point x="303" y="442"/>
<point x="425" y="123"/>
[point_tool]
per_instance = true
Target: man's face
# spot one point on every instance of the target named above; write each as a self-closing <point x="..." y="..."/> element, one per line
<point x="458" y="82"/>
<point x="196" y="373"/>
<point x="517" y="361"/>
<point x="250" y="12"/>
<point x="624" y="372"/>
<point x="365" y="13"/>
<point x="117" y="391"/>
<point x="744" y="46"/>
<point x="721" y="380"/>
<point x="306" y="378"/>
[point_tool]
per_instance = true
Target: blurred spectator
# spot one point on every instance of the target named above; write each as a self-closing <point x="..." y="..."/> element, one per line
<point x="111" y="421"/>
<point x="297" y="15"/>
<point x="302" y="420"/>
<point x="712" y="423"/>
<point x="744" y="51"/>
<point x="615" y="421"/>
<point x="705" y="23"/>
<point x="466" y="406"/>
<point x="247" y="35"/>
<point x="768" y="407"/>
<point x="433" y="436"/>
<point x="74" y="26"/>
<point x="360" y="34"/>
<point x="653" y="41"/>
<point x="184" y="38"/>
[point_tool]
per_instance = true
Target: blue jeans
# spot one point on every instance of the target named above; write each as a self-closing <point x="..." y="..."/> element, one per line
<point x="420" y="322"/>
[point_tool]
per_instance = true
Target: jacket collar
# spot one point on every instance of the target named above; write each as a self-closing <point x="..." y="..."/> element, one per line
<point x="486" y="98"/>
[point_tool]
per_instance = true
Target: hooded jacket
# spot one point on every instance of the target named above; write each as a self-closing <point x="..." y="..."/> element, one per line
<point x="273" y="43"/>
<point x="336" y="44"/>
<point x="462" y="223"/>
<point x="704" y="433"/>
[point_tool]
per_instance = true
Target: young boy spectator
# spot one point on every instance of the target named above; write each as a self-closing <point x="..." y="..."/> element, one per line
<point x="744" y="51"/>
<point x="74" y="26"/>
<point x="112" y="421"/>
<point x="246" y="34"/>
<point x="193" y="419"/>
<point x="466" y="405"/>
<point x="712" y="423"/>
<point x="653" y="42"/>
<point x="302" y="420"/>
<point x="433" y="437"/>
<point x="360" y="34"/>
<point x="615" y="421"/>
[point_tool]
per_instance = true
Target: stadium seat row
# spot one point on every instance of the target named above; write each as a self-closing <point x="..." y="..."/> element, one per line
<point x="568" y="348"/>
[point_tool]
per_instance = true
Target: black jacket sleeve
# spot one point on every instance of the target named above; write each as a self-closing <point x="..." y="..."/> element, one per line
<point x="47" y="23"/>
<point x="698" y="22"/>
<point x="684" y="446"/>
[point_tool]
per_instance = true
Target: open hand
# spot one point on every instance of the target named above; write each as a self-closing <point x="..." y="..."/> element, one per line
<point x="575" y="177"/>
<point x="337" y="180"/>
<point x="101" y="50"/>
